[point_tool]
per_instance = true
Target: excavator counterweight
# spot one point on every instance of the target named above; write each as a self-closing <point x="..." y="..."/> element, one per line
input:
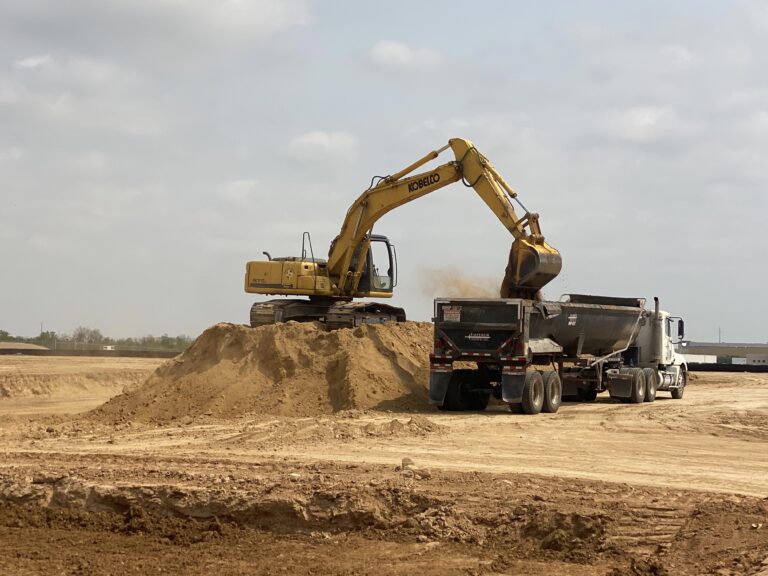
<point x="350" y="271"/>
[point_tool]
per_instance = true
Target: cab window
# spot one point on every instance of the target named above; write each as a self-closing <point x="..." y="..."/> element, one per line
<point x="381" y="267"/>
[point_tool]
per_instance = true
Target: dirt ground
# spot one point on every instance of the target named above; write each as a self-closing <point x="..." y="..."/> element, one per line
<point x="603" y="488"/>
<point x="58" y="384"/>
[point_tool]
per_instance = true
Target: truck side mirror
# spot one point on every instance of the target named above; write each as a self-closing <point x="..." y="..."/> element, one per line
<point x="680" y="329"/>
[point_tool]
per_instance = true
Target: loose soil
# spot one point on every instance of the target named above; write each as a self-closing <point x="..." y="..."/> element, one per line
<point x="20" y="346"/>
<point x="602" y="488"/>
<point x="32" y="384"/>
<point x="292" y="369"/>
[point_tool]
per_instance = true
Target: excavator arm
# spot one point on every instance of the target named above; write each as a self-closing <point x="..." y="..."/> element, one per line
<point x="532" y="262"/>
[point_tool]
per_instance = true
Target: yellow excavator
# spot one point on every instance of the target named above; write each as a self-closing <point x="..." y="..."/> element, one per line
<point x="350" y="271"/>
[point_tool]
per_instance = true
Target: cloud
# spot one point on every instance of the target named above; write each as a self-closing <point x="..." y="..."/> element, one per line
<point x="680" y="55"/>
<point x="238" y="192"/>
<point x="467" y="126"/>
<point x="92" y="163"/>
<point x="759" y="16"/>
<point x="248" y="18"/>
<point x="392" y="54"/>
<point x="80" y="92"/>
<point x="158" y="27"/>
<point x="324" y="146"/>
<point x="33" y="61"/>
<point x="12" y="153"/>
<point x="640" y="123"/>
<point x="48" y="245"/>
<point x="77" y="74"/>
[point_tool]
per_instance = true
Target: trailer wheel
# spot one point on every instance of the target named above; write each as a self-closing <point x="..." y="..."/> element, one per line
<point x="651" y="384"/>
<point x="677" y="393"/>
<point x="533" y="393"/>
<point x="553" y="392"/>
<point x="476" y="401"/>
<point x="458" y="398"/>
<point x="637" y="390"/>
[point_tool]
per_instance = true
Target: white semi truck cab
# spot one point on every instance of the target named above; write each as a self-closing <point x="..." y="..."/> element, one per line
<point x="655" y="349"/>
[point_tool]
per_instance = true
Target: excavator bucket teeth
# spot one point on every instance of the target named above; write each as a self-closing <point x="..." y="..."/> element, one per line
<point x="530" y="267"/>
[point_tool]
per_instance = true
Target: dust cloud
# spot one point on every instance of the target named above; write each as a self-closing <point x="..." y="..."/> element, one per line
<point x="453" y="283"/>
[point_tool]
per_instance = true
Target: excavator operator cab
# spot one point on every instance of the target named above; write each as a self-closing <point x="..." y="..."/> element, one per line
<point x="380" y="269"/>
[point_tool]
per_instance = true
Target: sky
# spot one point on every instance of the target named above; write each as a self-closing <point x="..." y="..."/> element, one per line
<point x="149" y="148"/>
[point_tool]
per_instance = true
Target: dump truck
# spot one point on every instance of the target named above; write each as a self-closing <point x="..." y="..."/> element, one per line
<point x="533" y="354"/>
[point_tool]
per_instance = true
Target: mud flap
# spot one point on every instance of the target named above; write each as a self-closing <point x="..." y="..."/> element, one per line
<point x="571" y="385"/>
<point x="512" y="387"/>
<point x="620" y="386"/>
<point x="438" y="386"/>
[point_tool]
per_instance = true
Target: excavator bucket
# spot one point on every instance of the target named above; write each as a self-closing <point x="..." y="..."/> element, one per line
<point x="530" y="267"/>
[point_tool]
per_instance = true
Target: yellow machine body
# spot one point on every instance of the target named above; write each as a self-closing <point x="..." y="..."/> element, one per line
<point x="293" y="277"/>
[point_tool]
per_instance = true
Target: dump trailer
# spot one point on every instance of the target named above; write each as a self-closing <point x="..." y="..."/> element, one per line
<point x="532" y="355"/>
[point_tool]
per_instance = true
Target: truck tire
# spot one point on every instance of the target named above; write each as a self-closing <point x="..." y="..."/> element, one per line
<point x="533" y="393"/>
<point x="553" y="392"/>
<point x="677" y="393"/>
<point x="637" y="391"/>
<point x="476" y="401"/>
<point x="651" y="384"/>
<point x="458" y="398"/>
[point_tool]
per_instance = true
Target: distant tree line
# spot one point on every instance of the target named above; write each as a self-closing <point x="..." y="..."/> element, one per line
<point x="85" y="337"/>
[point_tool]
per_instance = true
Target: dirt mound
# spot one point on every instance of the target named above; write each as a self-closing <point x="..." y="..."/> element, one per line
<point x="20" y="346"/>
<point x="65" y="377"/>
<point x="14" y="386"/>
<point x="291" y="369"/>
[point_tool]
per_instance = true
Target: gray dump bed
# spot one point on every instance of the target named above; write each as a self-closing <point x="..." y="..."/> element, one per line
<point x="591" y="325"/>
<point x="575" y="326"/>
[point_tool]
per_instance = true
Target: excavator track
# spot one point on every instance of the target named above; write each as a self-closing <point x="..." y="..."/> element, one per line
<point x="332" y="314"/>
